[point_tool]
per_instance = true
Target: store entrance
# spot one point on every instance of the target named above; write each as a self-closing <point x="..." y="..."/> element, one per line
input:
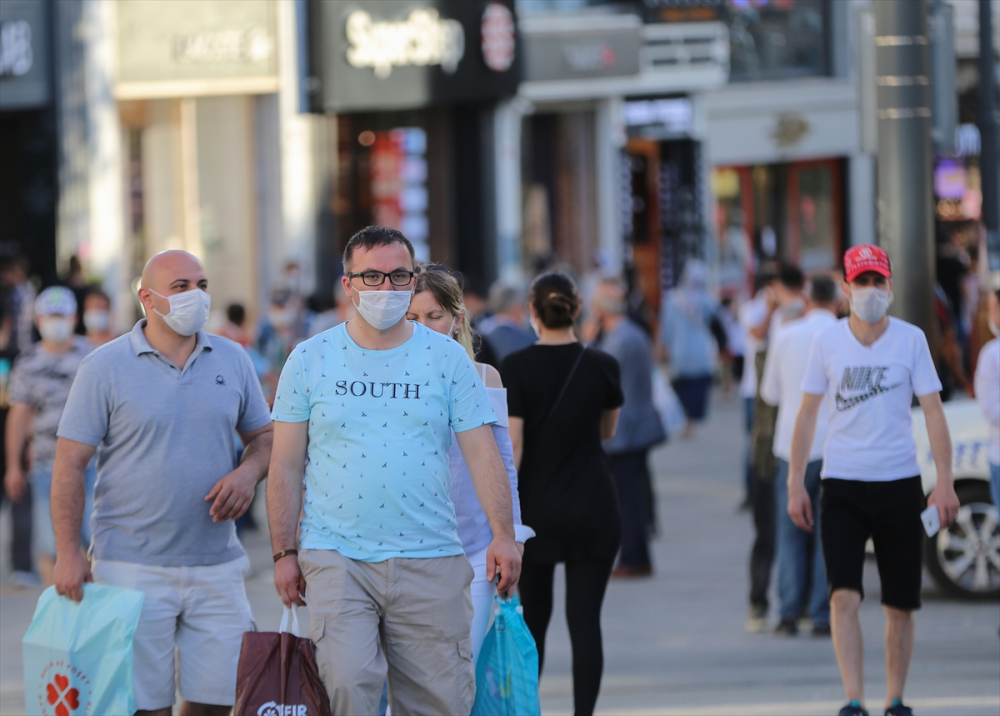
<point x="28" y="189"/>
<point x="790" y="212"/>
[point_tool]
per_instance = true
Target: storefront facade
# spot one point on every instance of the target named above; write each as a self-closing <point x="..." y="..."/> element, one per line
<point x="202" y="119"/>
<point x="410" y="91"/>
<point x="28" y="153"/>
<point x="791" y="176"/>
<point x="613" y="169"/>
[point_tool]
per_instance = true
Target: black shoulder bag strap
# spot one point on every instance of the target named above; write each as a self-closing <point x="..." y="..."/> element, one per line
<point x="562" y="392"/>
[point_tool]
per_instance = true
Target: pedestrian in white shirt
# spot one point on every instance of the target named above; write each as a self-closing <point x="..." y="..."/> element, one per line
<point x="782" y="387"/>
<point x="869" y="366"/>
<point x="753" y="317"/>
<point x="987" y="384"/>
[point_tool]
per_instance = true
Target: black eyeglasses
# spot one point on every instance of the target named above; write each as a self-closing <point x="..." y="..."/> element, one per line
<point x="377" y="278"/>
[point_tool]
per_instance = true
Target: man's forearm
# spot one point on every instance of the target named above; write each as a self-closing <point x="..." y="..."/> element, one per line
<point x="493" y="490"/>
<point x="802" y="436"/>
<point x="284" y="501"/>
<point x="257" y="455"/>
<point x="67" y="500"/>
<point x="18" y="418"/>
<point x="940" y="441"/>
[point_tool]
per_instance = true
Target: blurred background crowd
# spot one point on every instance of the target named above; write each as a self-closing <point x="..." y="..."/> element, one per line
<point x="711" y="156"/>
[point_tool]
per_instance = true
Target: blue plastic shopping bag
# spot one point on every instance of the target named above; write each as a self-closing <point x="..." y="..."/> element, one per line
<point x="507" y="668"/>
<point x="78" y="656"/>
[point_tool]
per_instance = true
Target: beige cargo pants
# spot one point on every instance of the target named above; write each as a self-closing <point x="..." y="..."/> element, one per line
<point x="405" y="618"/>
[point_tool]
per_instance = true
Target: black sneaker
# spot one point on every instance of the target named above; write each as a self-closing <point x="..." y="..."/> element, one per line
<point x="821" y="630"/>
<point x="898" y="709"/>
<point x="787" y="627"/>
<point x="853" y="708"/>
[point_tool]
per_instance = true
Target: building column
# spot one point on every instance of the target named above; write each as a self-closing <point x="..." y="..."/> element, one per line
<point x="610" y="138"/>
<point x="906" y="222"/>
<point x="861" y="202"/>
<point x="507" y="119"/>
<point x="91" y="209"/>
<point x="297" y="192"/>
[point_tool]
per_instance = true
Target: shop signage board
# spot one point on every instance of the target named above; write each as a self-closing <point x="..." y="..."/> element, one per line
<point x="24" y="54"/>
<point x="581" y="48"/>
<point x="407" y="54"/>
<point x="168" y="48"/>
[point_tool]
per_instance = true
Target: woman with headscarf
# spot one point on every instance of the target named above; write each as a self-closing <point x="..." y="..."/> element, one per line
<point x="686" y="331"/>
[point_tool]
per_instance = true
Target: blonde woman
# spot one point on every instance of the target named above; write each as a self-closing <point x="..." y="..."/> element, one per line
<point x="437" y="304"/>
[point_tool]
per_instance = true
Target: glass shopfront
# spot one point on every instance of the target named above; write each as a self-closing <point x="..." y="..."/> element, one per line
<point x="792" y="212"/>
<point x="778" y="39"/>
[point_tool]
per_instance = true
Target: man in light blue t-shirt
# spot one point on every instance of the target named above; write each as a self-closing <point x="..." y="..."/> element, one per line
<point x="366" y="409"/>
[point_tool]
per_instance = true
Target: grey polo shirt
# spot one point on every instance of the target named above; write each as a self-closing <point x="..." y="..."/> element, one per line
<point x="164" y="437"/>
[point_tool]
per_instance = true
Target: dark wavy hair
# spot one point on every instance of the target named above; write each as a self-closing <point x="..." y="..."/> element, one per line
<point x="555" y="299"/>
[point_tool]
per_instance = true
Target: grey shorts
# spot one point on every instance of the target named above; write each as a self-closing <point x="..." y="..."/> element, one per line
<point x="408" y="619"/>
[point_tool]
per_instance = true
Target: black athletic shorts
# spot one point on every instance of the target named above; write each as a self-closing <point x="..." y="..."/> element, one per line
<point x="851" y="511"/>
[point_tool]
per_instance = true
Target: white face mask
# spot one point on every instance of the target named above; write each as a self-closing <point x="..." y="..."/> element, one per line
<point x="383" y="309"/>
<point x="870" y="304"/>
<point x="994" y="328"/>
<point x="56" y="329"/>
<point x="96" y="320"/>
<point x="188" y="311"/>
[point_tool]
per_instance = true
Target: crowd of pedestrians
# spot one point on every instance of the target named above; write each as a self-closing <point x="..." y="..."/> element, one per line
<point x="423" y="461"/>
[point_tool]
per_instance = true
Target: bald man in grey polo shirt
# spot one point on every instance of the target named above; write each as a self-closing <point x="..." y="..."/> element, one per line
<point x="161" y="407"/>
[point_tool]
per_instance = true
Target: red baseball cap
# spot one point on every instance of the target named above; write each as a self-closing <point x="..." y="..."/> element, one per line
<point x="865" y="257"/>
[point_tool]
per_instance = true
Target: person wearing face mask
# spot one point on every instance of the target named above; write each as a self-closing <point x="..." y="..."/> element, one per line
<point x="437" y="303"/>
<point x="367" y="410"/>
<point x="163" y="405"/>
<point x="868" y="367"/>
<point x="39" y="386"/>
<point x="564" y="402"/>
<point x="987" y="384"/>
<point x="97" y="317"/>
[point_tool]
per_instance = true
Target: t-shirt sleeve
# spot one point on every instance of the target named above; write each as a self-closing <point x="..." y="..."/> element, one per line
<point x="291" y="399"/>
<point x="515" y="392"/>
<point x="816" y="381"/>
<point x="87" y="413"/>
<point x="923" y="377"/>
<point x="253" y="410"/>
<point x="615" y="398"/>
<point x="468" y="402"/>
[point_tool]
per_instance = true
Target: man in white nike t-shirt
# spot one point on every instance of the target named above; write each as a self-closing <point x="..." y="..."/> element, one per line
<point x="869" y="366"/>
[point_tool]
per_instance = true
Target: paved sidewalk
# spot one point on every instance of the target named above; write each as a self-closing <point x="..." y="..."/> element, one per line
<point x="675" y="643"/>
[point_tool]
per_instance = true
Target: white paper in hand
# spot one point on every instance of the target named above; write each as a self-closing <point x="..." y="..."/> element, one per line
<point x="932" y="520"/>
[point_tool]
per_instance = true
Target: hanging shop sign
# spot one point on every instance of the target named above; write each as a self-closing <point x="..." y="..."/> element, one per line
<point x="691" y="10"/>
<point x="402" y="54"/>
<point x="559" y="48"/>
<point x="24" y="54"/>
<point x="659" y="118"/>
<point x="170" y="49"/>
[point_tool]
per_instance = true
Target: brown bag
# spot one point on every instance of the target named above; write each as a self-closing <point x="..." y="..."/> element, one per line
<point x="278" y="676"/>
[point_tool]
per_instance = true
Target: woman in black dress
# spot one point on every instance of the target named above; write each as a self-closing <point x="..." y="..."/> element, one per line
<point x="564" y="401"/>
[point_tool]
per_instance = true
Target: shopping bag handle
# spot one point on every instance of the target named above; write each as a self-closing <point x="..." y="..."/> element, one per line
<point x="285" y="613"/>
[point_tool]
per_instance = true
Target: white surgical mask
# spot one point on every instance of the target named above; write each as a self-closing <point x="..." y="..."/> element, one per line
<point x="96" y="320"/>
<point x="188" y="311"/>
<point x="994" y="328"/>
<point x="383" y="309"/>
<point x="56" y="329"/>
<point x="870" y="304"/>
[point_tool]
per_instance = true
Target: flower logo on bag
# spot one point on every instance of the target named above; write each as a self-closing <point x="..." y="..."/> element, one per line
<point x="60" y="695"/>
<point x="64" y="690"/>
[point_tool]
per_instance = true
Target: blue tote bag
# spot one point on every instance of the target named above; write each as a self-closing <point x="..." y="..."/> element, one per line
<point x="507" y="667"/>
<point x="78" y="656"/>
